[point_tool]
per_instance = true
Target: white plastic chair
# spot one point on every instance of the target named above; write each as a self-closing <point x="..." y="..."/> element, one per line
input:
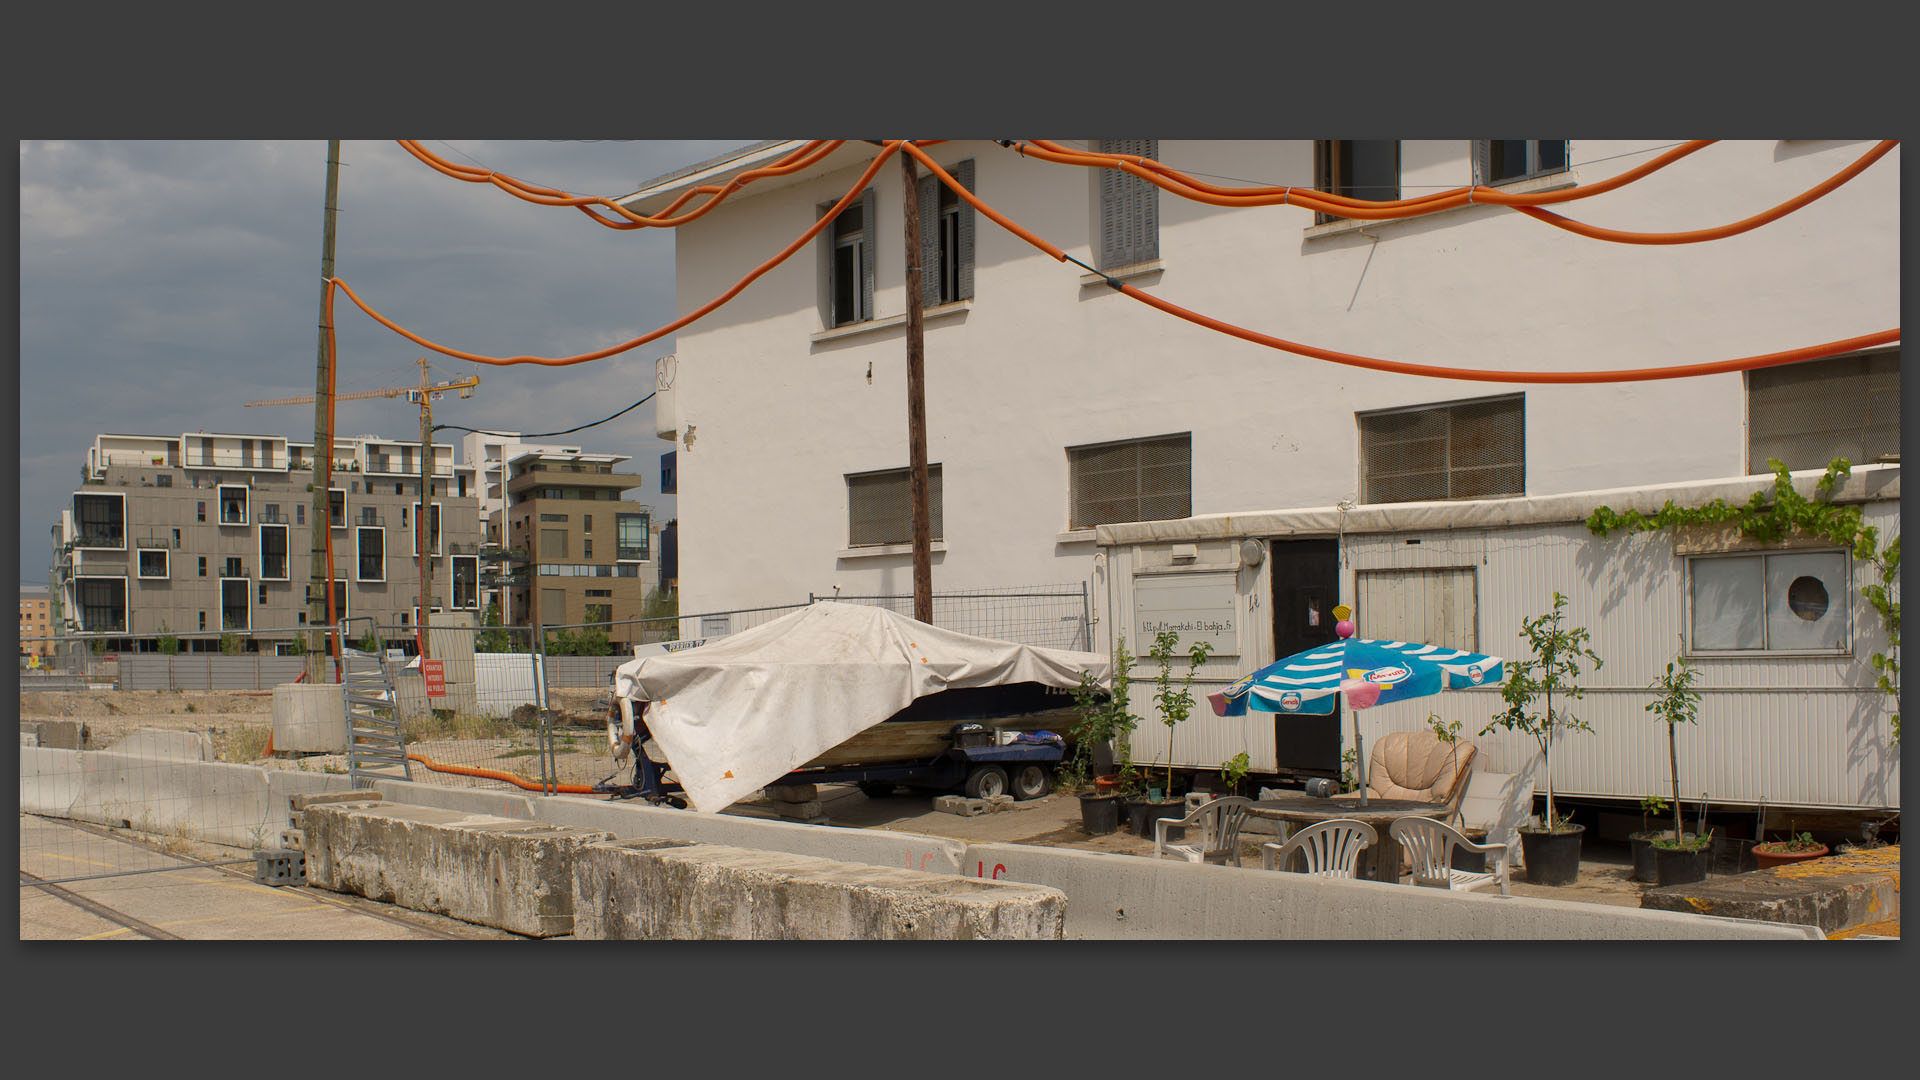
<point x="1497" y="804"/>
<point x="1329" y="848"/>
<point x="1219" y="822"/>
<point x="1430" y="844"/>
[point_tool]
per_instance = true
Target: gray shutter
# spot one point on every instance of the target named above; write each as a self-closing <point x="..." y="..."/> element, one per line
<point x="1129" y="208"/>
<point x="823" y="268"/>
<point x="1146" y="244"/>
<point x="1482" y="160"/>
<point x="1112" y="242"/>
<point x="869" y="233"/>
<point x="964" y="174"/>
<point x="929" y="193"/>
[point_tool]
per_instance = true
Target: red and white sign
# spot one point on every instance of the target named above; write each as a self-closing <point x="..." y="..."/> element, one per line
<point x="435" y="673"/>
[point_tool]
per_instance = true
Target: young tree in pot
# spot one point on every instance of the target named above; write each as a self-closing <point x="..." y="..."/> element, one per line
<point x="1175" y="705"/>
<point x="1552" y="849"/>
<point x="1104" y="716"/>
<point x="1679" y="856"/>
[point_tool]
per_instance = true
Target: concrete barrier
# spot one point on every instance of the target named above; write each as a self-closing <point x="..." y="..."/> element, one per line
<point x="652" y="889"/>
<point x="1836" y="893"/>
<point x="309" y="718"/>
<point x="492" y="871"/>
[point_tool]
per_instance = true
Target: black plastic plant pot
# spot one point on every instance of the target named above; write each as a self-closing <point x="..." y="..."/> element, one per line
<point x="1552" y="858"/>
<point x="1679" y="866"/>
<point x="1100" y="813"/>
<point x="1643" y="861"/>
<point x="1142" y="813"/>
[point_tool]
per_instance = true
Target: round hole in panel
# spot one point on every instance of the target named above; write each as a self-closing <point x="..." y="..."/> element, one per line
<point x="1807" y="597"/>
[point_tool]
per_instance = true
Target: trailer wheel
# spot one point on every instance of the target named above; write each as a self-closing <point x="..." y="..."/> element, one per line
<point x="876" y="789"/>
<point x="986" y="781"/>
<point x="1029" y="782"/>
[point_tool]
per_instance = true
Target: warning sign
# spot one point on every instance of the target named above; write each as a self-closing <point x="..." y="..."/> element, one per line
<point x="435" y="673"/>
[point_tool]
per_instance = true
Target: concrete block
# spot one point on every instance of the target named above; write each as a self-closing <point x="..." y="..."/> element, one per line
<point x="655" y="889"/>
<point x="158" y="744"/>
<point x="297" y="803"/>
<point x="801" y="811"/>
<point x="1835" y="893"/>
<point x="959" y="804"/>
<point x="491" y="871"/>
<point x="472" y="800"/>
<point x="793" y="793"/>
<point x="29" y="738"/>
<point x="309" y="718"/>
<point x="61" y="734"/>
<point x="996" y="803"/>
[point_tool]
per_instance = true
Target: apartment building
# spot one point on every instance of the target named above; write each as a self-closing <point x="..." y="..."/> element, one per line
<point x="1187" y="477"/>
<point x="209" y="532"/>
<point x="489" y="452"/>
<point x="589" y="551"/>
<point x="34" y="622"/>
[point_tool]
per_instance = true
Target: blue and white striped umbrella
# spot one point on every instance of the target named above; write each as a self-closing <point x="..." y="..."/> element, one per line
<point x="1371" y="672"/>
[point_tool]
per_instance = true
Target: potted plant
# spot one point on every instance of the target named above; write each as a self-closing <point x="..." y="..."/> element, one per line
<point x="1782" y="852"/>
<point x="1678" y="856"/>
<point x="1551" y="848"/>
<point x="1641" y="843"/>
<point x="1233" y="772"/>
<point x="1104" y="717"/>
<point x="1174" y="705"/>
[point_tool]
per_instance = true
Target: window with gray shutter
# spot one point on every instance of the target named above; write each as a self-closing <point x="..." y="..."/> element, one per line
<point x="946" y="238"/>
<point x="1809" y="413"/>
<point x="847" y="263"/>
<point x="1461" y="450"/>
<point x="1129" y="208"/>
<point x="1136" y="480"/>
<point x="553" y="543"/>
<point x="880" y="507"/>
<point x="1358" y="169"/>
<point x="1500" y="161"/>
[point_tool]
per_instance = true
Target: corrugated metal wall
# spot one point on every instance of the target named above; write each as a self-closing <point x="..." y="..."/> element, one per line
<point x="207" y="671"/>
<point x="1785" y="730"/>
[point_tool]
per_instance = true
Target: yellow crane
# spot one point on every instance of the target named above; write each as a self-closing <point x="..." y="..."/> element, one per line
<point x="422" y="395"/>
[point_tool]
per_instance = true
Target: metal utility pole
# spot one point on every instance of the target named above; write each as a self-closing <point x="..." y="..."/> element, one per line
<point x="322" y="441"/>
<point x="426" y="506"/>
<point x="917" y="402"/>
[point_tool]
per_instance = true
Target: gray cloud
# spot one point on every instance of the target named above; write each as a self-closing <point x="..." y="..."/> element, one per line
<point x="165" y="284"/>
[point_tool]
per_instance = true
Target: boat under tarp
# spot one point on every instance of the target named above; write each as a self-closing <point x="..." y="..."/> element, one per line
<point x="838" y="684"/>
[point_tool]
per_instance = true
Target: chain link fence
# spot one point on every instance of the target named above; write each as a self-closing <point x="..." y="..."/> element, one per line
<point x="1048" y="616"/>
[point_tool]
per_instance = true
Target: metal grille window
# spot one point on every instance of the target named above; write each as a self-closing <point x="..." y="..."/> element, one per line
<point x="102" y="520"/>
<point x="1465" y="450"/>
<point x="1137" y="480"/>
<point x="880" y="507"/>
<point x="103" y="603"/>
<point x="1357" y="168"/>
<point x="1809" y="413"/>
<point x="1795" y="601"/>
<point x="1129" y="208"/>
<point x="1498" y="161"/>
<point x="946" y="238"/>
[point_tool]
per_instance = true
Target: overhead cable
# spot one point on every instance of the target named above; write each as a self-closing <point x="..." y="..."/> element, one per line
<point x="547" y="434"/>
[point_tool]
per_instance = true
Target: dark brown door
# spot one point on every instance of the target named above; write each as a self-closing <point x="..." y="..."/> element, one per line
<point x="1306" y="586"/>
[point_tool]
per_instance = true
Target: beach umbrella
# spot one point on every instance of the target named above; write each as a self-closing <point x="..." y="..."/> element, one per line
<point x="1362" y="671"/>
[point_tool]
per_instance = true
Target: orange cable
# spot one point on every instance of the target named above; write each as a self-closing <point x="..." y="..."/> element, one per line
<point x="783" y="255"/>
<point x="1471" y="374"/>
<point x="495" y="774"/>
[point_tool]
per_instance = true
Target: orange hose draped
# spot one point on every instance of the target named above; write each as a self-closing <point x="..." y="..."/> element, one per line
<point x="516" y="780"/>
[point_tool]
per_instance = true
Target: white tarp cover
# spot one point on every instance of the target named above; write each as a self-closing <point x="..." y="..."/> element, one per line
<point x="740" y="712"/>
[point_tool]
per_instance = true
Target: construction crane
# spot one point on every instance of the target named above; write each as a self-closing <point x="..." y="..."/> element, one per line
<point x="424" y="396"/>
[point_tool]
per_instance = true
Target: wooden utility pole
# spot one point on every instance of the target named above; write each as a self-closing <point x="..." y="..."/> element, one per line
<point x="426" y="506"/>
<point x="917" y="402"/>
<point x="322" y="442"/>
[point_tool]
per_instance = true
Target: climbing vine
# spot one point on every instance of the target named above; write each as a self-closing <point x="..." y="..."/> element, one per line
<point x="1770" y="515"/>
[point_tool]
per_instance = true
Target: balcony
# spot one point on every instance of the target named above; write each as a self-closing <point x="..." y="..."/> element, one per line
<point x="100" y="539"/>
<point x="152" y="542"/>
<point x="274" y="517"/>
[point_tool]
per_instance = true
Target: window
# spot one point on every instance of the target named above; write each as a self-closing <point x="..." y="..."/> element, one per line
<point x="1809" y="413"/>
<point x="847" y="259"/>
<point x="593" y="594"/>
<point x="1129" y="208"/>
<point x="102" y="602"/>
<point x="1463" y="450"/>
<point x="553" y="606"/>
<point x="598" y="613"/>
<point x="1357" y="168"/>
<point x="551" y="493"/>
<point x="153" y="563"/>
<point x="1497" y="161"/>
<point x="946" y="238"/>
<point x="101" y="520"/>
<point x="203" y="620"/>
<point x="553" y="543"/>
<point x="1137" y="480"/>
<point x="433" y="530"/>
<point x="273" y="552"/>
<point x="1793" y="601"/>
<point x="553" y="517"/>
<point x="271" y="515"/>
<point x="235" y="612"/>
<point x="163" y="480"/>
<point x="336" y="508"/>
<point x="1434" y="606"/>
<point x="466" y="581"/>
<point x="235" y="567"/>
<point x="631" y="532"/>
<point x="586" y="523"/>
<point x="300" y="513"/>
<point x="370" y="554"/>
<point x="203" y="566"/>
<point x="176" y="538"/>
<point x="586" y="548"/>
<point x="463" y="485"/>
<point x="262" y="590"/>
<point x="233" y="504"/>
<point x="880" y="507"/>
<point x="200" y="511"/>
<point x="369" y="515"/>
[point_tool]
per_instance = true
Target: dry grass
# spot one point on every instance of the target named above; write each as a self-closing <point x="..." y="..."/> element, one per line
<point x="246" y="743"/>
<point x="448" y="725"/>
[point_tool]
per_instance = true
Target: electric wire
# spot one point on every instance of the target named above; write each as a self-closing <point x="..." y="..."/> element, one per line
<point x="547" y="434"/>
<point x="1571" y="166"/>
<point x="1810" y="352"/>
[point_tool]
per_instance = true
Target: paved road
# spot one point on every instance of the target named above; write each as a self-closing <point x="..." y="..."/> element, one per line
<point x="195" y="899"/>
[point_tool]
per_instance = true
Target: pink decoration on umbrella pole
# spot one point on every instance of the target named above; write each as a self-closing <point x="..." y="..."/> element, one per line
<point x="1360" y="693"/>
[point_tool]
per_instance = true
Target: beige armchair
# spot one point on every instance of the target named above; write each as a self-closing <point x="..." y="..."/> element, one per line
<point x="1419" y="766"/>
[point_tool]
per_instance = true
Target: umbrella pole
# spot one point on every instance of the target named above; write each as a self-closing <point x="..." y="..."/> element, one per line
<point x="1359" y="758"/>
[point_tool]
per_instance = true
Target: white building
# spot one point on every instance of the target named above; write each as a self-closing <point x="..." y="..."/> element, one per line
<point x="1077" y="435"/>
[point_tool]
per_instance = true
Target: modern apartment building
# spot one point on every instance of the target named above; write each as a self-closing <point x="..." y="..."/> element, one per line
<point x="209" y="532"/>
<point x="489" y="452"/>
<point x="590" y="555"/>
<point x="34" y="622"/>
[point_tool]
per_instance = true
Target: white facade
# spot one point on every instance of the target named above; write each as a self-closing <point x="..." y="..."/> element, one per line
<point x="773" y="411"/>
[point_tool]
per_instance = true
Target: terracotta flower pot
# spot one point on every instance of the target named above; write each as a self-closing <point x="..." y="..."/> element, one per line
<point x="1775" y="854"/>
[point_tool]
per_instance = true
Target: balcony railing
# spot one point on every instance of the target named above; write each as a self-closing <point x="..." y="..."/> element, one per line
<point x="273" y="517"/>
<point x="463" y="549"/>
<point x="156" y="542"/>
<point x="101" y="540"/>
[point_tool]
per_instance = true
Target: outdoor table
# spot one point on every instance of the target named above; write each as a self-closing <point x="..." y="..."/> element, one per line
<point x="1379" y="861"/>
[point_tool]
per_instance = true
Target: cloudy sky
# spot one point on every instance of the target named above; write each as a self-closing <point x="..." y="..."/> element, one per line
<point x="165" y="284"/>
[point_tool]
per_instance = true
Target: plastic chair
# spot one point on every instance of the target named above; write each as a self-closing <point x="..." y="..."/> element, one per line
<point x="1496" y="805"/>
<point x="1330" y="848"/>
<point x="1219" y="822"/>
<point x="1430" y="844"/>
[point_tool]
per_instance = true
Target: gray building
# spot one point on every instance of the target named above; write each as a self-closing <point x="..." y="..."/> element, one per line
<point x="209" y="532"/>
